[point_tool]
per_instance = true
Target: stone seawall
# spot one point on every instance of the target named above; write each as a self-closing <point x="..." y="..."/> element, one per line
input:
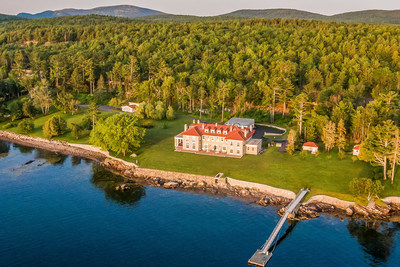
<point x="263" y="194"/>
<point x="52" y="145"/>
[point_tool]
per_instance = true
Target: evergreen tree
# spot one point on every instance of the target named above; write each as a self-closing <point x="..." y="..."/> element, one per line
<point x="140" y="111"/>
<point x="54" y="126"/>
<point x="150" y="112"/>
<point x="28" y="109"/>
<point x="94" y="113"/>
<point x="26" y="126"/>
<point x="170" y="113"/>
<point x="341" y="135"/>
<point x="379" y="146"/>
<point x="292" y="138"/>
<point x="159" y="111"/>
<point x="329" y="136"/>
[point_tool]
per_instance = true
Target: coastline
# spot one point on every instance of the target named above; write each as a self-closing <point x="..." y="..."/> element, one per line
<point x="260" y="193"/>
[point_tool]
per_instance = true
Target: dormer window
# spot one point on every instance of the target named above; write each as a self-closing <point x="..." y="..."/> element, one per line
<point x="225" y="132"/>
<point x="212" y="131"/>
<point x="219" y="132"/>
<point x="206" y="130"/>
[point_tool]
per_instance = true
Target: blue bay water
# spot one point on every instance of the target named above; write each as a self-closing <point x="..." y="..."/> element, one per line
<point x="64" y="211"/>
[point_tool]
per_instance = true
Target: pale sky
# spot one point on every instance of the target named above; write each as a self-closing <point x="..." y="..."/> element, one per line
<point x="201" y="7"/>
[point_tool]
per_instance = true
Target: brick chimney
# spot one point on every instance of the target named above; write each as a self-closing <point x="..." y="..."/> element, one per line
<point x="185" y="127"/>
<point x="231" y="129"/>
<point x="202" y="126"/>
<point x="198" y="121"/>
<point x="251" y="128"/>
<point x="194" y="121"/>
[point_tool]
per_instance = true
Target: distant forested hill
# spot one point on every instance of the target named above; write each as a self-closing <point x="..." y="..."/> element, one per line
<point x="125" y="11"/>
<point x="368" y="16"/>
<point x="7" y="17"/>
<point x="276" y="13"/>
<point x="144" y="14"/>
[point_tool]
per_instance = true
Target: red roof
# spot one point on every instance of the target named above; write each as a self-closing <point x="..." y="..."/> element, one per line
<point x="310" y="144"/>
<point x="356" y="147"/>
<point x="132" y="106"/>
<point x="231" y="132"/>
<point x="193" y="131"/>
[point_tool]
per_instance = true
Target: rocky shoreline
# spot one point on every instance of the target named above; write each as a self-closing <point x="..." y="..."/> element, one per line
<point x="258" y="193"/>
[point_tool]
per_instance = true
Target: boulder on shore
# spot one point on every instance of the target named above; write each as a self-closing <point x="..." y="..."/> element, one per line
<point x="171" y="185"/>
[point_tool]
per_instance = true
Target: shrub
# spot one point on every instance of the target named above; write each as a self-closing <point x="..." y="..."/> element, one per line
<point x="150" y="111"/>
<point x="54" y="126"/>
<point x="26" y="126"/>
<point x="354" y="158"/>
<point x="366" y="187"/>
<point x="29" y="109"/>
<point x="170" y="113"/>
<point x="86" y="122"/>
<point x="341" y="154"/>
<point x="303" y="154"/>
<point x="159" y="112"/>
<point x="141" y="111"/>
<point x="76" y="130"/>
<point x="9" y="125"/>
<point x="16" y="110"/>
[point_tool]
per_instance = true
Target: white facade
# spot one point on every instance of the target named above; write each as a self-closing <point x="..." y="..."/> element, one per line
<point x="311" y="148"/>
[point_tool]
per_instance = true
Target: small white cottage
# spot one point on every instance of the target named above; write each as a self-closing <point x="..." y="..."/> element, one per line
<point x="356" y="150"/>
<point x="130" y="108"/>
<point x="311" y="146"/>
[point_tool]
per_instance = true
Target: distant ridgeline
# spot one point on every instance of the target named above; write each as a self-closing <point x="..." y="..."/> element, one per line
<point x="7" y="17"/>
<point x="128" y="11"/>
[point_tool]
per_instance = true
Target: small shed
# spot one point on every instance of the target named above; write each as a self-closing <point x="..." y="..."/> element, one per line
<point x="356" y="150"/>
<point x="130" y="108"/>
<point x="311" y="146"/>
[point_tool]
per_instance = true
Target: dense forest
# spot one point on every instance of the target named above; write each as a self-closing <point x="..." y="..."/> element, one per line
<point x="331" y="70"/>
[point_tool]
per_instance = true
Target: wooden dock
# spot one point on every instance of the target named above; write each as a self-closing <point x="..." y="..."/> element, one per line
<point x="263" y="255"/>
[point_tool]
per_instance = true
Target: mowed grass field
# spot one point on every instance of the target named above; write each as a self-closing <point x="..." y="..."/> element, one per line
<point x="325" y="174"/>
<point x="76" y="118"/>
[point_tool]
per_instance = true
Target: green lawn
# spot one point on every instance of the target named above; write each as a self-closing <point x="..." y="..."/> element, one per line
<point x="76" y="118"/>
<point x="325" y="174"/>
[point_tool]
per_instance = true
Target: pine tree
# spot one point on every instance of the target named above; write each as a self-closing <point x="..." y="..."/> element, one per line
<point x="170" y="113"/>
<point x="292" y="137"/>
<point x="341" y="135"/>
<point x="379" y="145"/>
<point x="329" y="135"/>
